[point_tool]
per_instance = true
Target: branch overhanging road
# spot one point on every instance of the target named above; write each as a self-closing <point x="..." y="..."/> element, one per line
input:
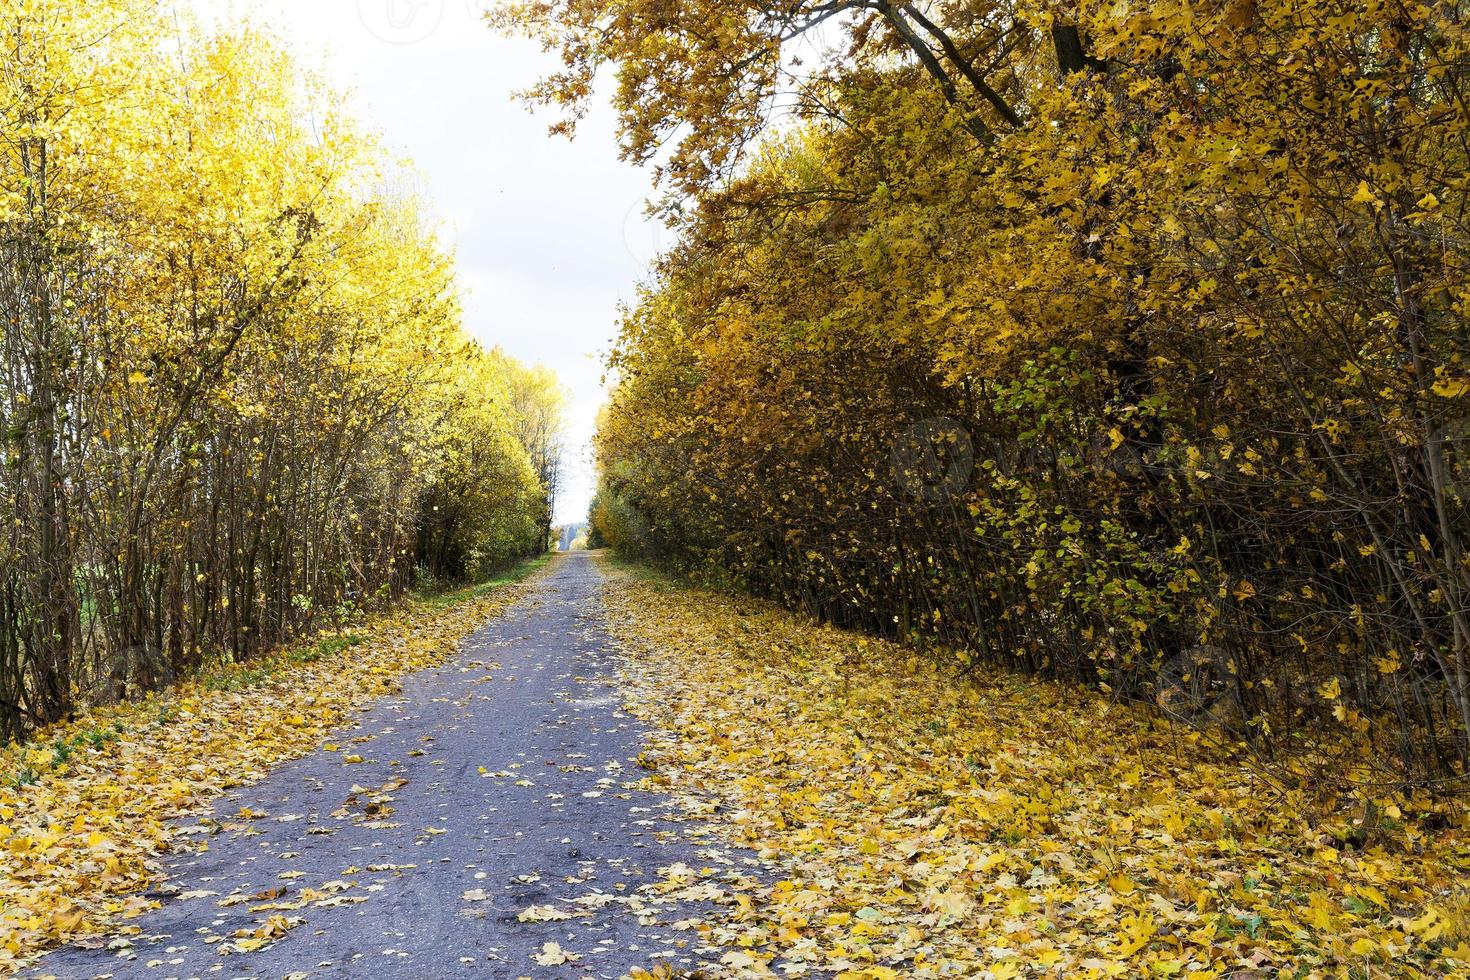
<point x="491" y="786"/>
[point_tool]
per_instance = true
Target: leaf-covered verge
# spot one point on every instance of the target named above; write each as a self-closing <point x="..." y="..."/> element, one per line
<point x="87" y="807"/>
<point x="1001" y="826"/>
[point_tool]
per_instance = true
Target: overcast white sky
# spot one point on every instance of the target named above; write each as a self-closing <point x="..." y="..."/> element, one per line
<point x="550" y="234"/>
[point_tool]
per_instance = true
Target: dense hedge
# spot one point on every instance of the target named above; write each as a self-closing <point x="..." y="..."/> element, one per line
<point x="1160" y="385"/>
<point x="234" y="391"/>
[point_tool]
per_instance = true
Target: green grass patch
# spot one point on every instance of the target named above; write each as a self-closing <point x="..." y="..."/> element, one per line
<point x="510" y="575"/>
<point x="325" y="647"/>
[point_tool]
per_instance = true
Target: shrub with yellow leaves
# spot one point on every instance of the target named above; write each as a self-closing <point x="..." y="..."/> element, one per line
<point x="234" y="387"/>
<point x="1189" y="279"/>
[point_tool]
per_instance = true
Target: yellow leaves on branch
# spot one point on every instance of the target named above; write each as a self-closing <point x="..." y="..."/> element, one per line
<point x="1365" y="195"/>
<point x="85" y="808"/>
<point x="1448" y="386"/>
<point x="927" y="826"/>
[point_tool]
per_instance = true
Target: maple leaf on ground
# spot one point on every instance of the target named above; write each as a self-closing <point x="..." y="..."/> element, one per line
<point x="553" y="955"/>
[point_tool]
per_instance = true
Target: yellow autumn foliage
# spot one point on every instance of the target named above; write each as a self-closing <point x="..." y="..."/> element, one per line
<point x="979" y="309"/>
<point x="234" y="384"/>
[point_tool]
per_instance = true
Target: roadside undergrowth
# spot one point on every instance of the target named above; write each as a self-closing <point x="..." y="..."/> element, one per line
<point x="86" y="807"/>
<point x="921" y="825"/>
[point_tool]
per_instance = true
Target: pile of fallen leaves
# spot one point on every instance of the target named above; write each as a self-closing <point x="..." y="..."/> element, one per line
<point x="926" y="825"/>
<point x="86" y="808"/>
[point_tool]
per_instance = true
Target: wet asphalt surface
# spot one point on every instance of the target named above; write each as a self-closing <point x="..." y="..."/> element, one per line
<point x="491" y="786"/>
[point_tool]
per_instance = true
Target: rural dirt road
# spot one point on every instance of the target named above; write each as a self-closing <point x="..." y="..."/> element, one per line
<point x="493" y="799"/>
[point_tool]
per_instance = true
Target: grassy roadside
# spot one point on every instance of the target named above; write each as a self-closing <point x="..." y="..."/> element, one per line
<point x="1005" y="827"/>
<point x="513" y="575"/>
<point x="85" y="807"/>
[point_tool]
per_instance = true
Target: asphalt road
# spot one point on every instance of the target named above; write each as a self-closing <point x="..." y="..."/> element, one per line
<point x="491" y="791"/>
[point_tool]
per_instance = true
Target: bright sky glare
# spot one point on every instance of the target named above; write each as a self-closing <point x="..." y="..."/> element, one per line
<point x="550" y="235"/>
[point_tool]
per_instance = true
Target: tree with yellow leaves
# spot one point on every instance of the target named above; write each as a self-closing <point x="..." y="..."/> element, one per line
<point x="233" y="383"/>
<point x="1148" y="371"/>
